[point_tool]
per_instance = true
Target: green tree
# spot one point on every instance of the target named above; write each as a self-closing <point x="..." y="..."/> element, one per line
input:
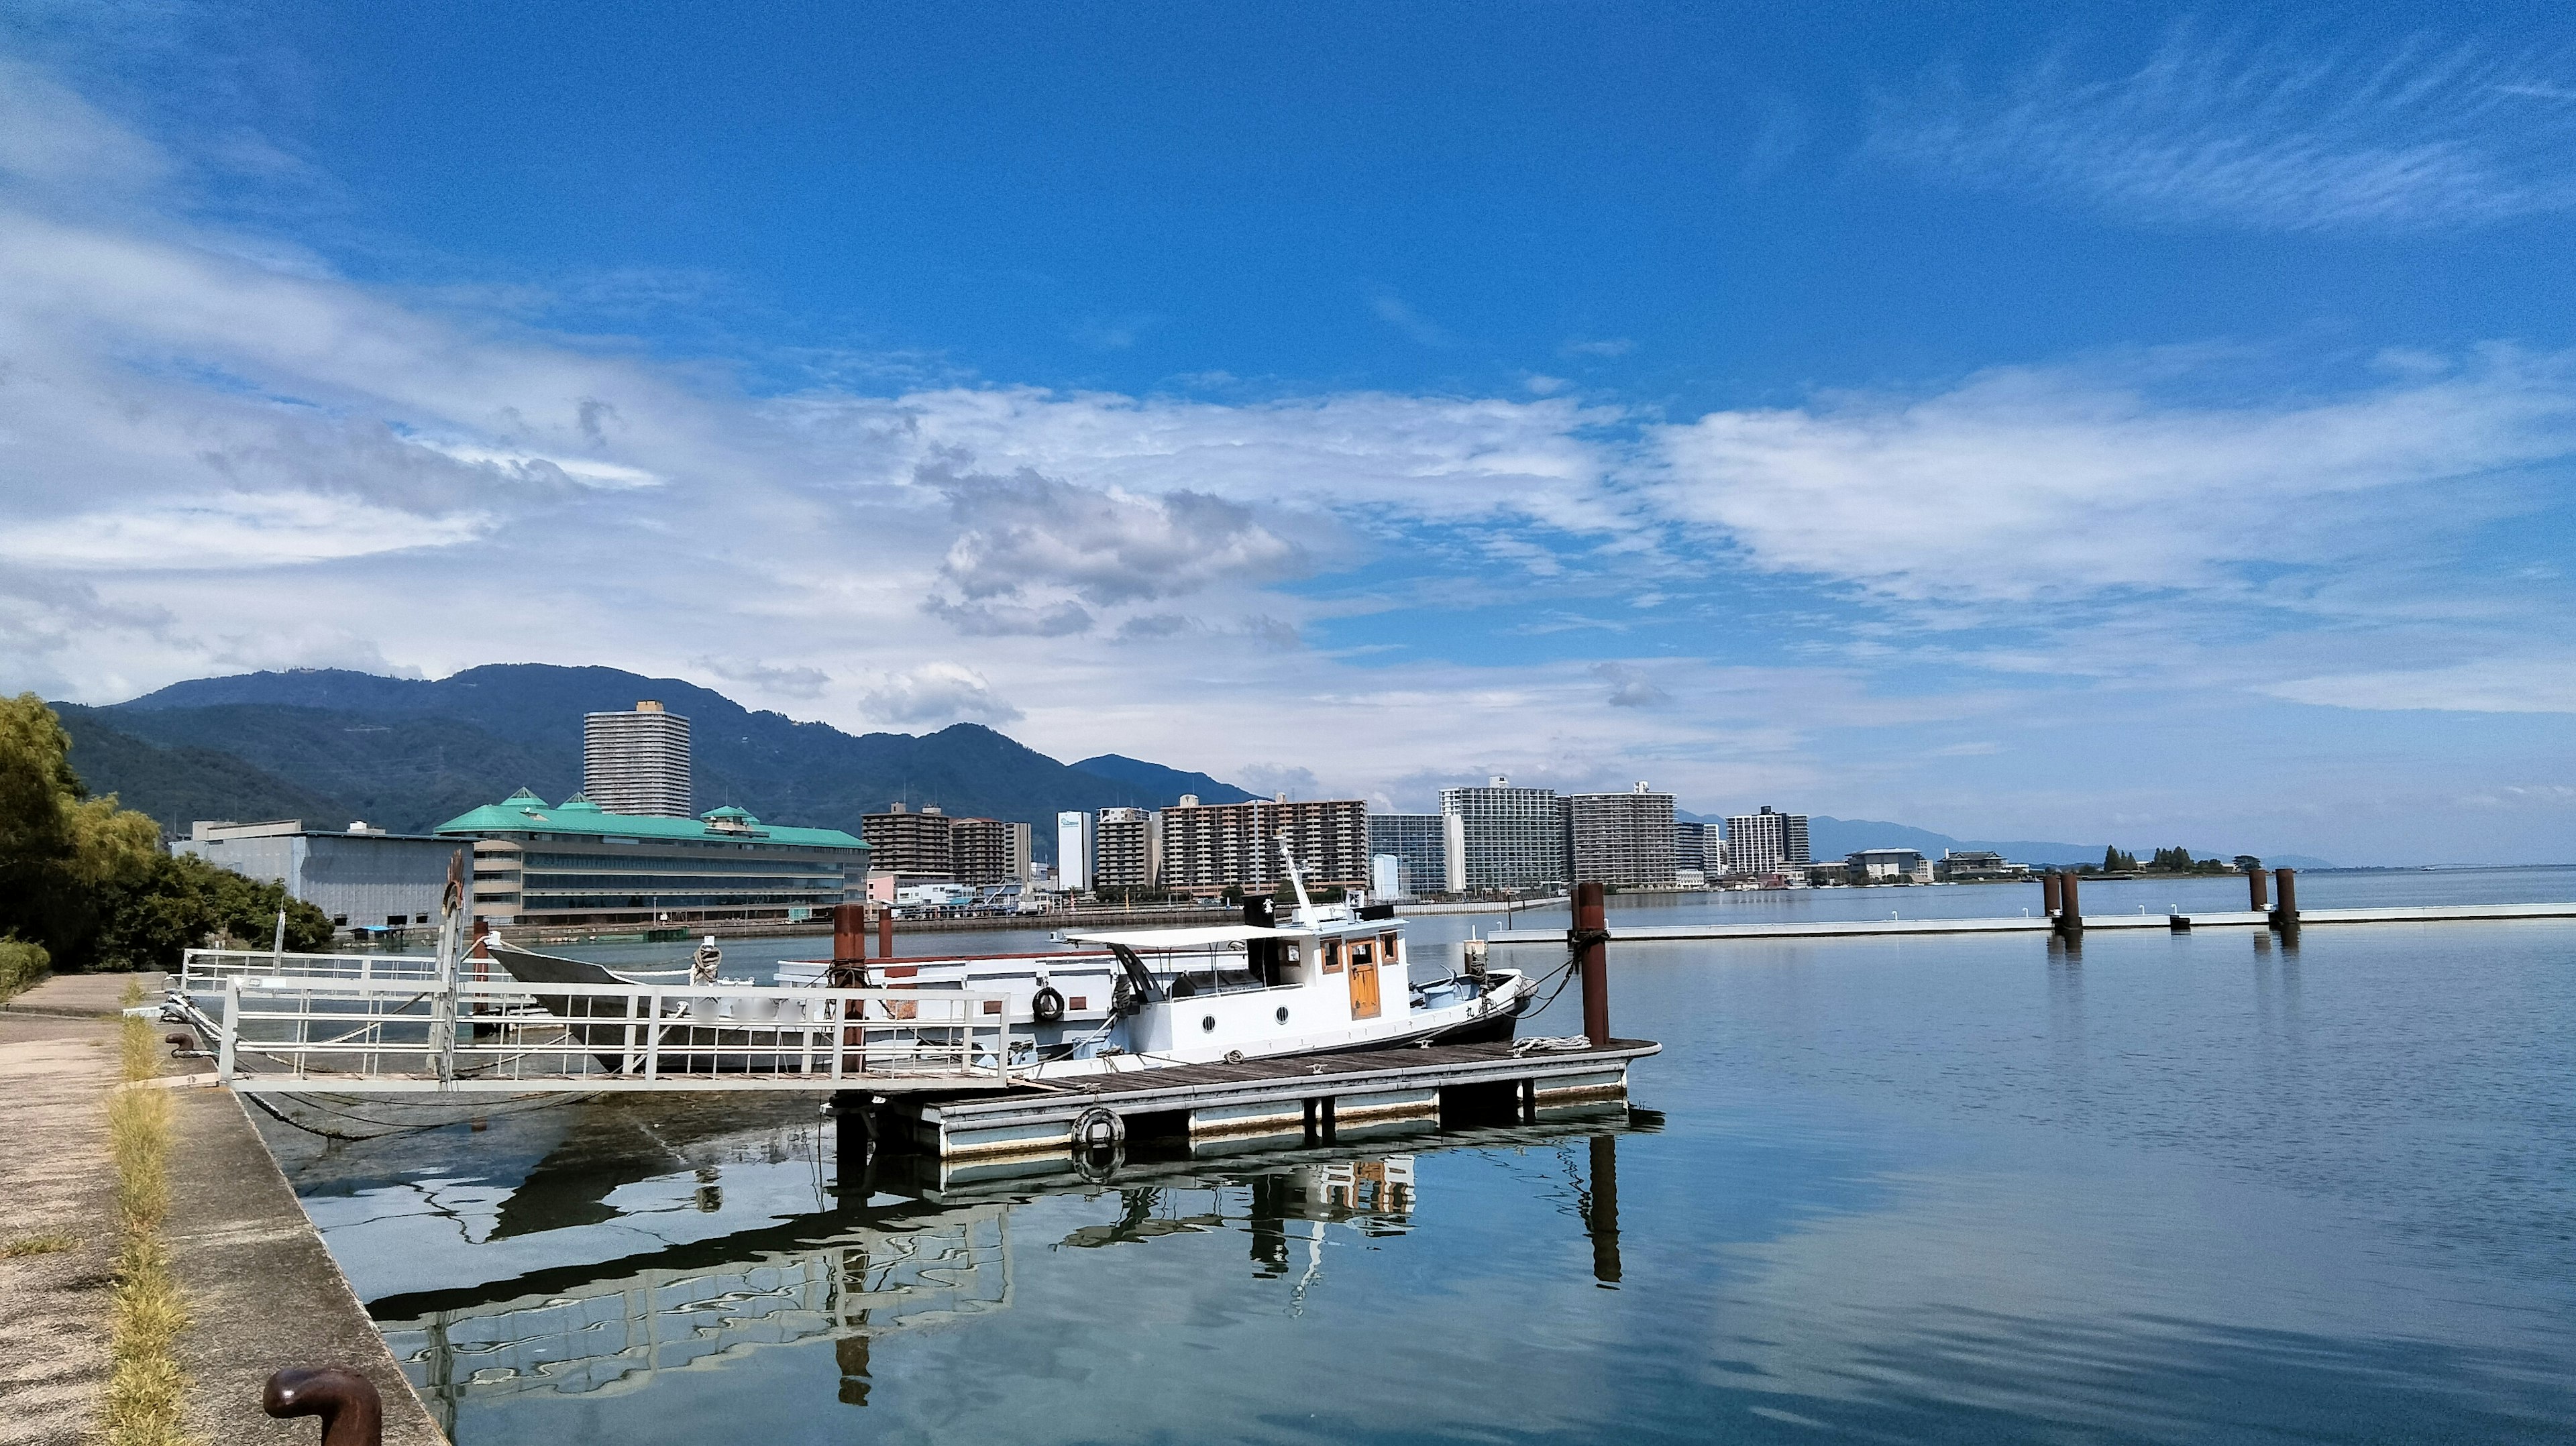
<point x="182" y="902"/>
<point x="88" y="882"/>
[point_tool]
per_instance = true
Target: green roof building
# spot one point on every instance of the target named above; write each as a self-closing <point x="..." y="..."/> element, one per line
<point x="574" y="862"/>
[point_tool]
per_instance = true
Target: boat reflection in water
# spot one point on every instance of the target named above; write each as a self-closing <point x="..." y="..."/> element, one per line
<point x="562" y="1301"/>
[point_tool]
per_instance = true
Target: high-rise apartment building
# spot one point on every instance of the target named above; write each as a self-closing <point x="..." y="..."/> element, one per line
<point x="1765" y="842"/>
<point x="1208" y="848"/>
<point x="637" y="763"/>
<point x="1076" y="831"/>
<point x="1624" y="839"/>
<point x="1419" y="847"/>
<point x="988" y="851"/>
<point x="1690" y="847"/>
<point x="1502" y="837"/>
<point x="901" y="841"/>
<point x="1129" y="849"/>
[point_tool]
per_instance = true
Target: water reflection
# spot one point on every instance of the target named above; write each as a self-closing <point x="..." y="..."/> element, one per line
<point x="809" y="1244"/>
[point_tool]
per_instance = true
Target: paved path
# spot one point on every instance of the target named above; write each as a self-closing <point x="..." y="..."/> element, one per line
<point x="261" y="1288"/>
<point x="55" y="1177"/>
<point x="80" y="996"/>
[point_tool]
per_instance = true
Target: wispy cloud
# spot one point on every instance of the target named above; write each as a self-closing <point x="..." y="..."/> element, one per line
<point x="2545" y="684"/>
<point x="2283" y="137"/>
<point x="1392" y="310"/>
<point x="2079" y="482"/>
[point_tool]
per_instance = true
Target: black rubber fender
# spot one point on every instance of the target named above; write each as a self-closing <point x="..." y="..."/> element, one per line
<point x="1047" y="1005"/>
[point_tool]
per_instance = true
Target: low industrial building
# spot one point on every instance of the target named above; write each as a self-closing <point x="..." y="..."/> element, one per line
<point x="575" y="863"/>
<point x="362" y="878"/>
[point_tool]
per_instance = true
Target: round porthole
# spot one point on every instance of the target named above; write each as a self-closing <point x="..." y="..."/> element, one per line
<point x="1208" y="1024"/>
<point x="1283" y="1014"/>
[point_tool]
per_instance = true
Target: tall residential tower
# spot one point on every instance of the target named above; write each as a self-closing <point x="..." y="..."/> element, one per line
<point x="637" y="763"/>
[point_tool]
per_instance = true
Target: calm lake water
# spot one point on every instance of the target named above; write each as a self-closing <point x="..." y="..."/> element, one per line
<point x="2179" y="1187"/>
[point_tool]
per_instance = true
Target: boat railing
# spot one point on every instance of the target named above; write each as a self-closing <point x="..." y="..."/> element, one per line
<point x="271" y="1031"/>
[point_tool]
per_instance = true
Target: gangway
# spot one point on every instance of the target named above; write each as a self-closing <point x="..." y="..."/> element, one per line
<point x="397" y="1024"/>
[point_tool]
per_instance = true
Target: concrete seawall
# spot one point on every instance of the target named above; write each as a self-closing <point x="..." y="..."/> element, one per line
<point x="261" y="1290"/>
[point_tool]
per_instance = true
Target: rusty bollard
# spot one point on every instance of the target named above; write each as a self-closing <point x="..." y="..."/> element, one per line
<point x="351" y="1411"/>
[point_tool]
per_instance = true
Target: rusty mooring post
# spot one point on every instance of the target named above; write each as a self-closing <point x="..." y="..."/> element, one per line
<point x="2255" y="896"/>
<point x="2048" y="894"/>
<point x="885" y="932"/>
<point x="849" y="933"/>
<point x="2070" y="908"/>
<point x="352" y="1413"/>
<point x="1591" y="940"/>
<point x="2286" y="917"/>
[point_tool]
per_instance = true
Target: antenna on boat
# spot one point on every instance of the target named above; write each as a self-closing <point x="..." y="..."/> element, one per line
<point x="1305" y="906"/>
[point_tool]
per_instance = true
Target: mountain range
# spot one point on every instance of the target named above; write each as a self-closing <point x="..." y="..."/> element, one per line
<point x="331" y="746"/>
<point x="409" y="754"/>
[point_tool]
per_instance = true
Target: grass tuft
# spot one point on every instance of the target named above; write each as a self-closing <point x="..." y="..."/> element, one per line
<point x="146" y="1396"/>
<point x="51" y="1242"/>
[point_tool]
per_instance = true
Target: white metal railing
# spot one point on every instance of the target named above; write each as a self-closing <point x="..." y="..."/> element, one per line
<point x="274" y="1031"/>
<point x="203" y="971"/>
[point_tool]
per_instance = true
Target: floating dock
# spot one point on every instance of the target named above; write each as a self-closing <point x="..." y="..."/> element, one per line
<point x="1293" y="1099"/>
<point x="2042" y="924"/>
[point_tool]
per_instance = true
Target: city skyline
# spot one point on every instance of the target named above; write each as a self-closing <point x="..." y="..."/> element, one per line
<point x="1910" y="415"/>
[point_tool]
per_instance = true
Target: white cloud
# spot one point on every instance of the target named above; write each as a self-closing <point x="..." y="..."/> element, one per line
<point x="2294" y="136"/>
<point x="232" y="531"/>
<point x="2490" y="685"/>
<point x="1630" y="686"/>
<point x="936" y="694"/>
<point x="2029" y="484"/>
<point x="1106" y="546"/>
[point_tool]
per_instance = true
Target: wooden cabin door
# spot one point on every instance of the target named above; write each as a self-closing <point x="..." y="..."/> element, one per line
<point x="1364" y="1003"/>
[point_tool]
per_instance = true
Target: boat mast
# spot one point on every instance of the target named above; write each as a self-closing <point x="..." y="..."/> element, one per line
<point x="1305" y="906"/>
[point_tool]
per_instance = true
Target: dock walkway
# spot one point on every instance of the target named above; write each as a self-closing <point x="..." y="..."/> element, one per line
<point x="1290" y="1099"/>
<point x="2041" y="924"/>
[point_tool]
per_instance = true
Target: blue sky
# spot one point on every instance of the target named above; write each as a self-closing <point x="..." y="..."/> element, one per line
<point x="2018" y="422"/>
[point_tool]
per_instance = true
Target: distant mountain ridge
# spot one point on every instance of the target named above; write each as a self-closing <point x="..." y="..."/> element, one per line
<point x="409" y="754"/>
<point x="332" y="746"/>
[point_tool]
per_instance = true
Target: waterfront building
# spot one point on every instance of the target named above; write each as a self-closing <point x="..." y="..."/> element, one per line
<point x="1209" y="848"/>
<point x="1502" y="837"/>
<point x="1129" y="849"/>
<point x="1977" y="866"/>
<point x="1690" y="847"/>
<point x="901" y="841"/>
<point x="1878" y="865"/>
<point x="362" y="878"/>
<point x="1766" y="842"/>
<point x="1076" y="831"/>
<point x="577" y="863"/>
<point x="1624" y="839"/>
<point x="983" y="851"/>
<point x="638" y="763"/>
<point x="1418" y="841"/>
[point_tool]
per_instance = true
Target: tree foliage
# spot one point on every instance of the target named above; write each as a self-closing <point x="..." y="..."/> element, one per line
<point x="89" y="883"/>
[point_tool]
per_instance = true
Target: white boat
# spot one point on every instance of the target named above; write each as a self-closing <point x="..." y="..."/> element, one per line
<point x="1332" y="978"/>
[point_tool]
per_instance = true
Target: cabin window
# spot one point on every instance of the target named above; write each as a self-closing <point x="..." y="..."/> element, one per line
<point x="1332" y="956"/>
<point x="1363" y="952"/>
<point x="1387" y="941"/>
